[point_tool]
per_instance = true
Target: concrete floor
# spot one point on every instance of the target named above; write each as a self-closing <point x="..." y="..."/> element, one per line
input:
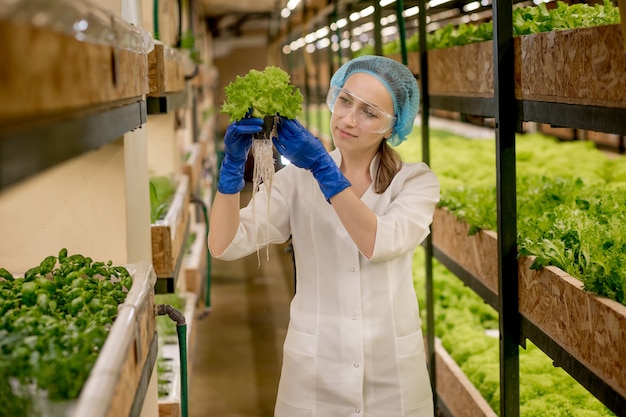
<point x="236" y="358"/>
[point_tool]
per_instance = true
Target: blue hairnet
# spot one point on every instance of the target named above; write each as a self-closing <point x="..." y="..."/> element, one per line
<point x="397" y="79"/>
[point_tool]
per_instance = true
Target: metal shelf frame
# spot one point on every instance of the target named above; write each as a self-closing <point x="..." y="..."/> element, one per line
<point x="514" y="328"/>
<point x="595" y="118"/>
<point x="167" y="102"/>
<point x="32" y="146"/>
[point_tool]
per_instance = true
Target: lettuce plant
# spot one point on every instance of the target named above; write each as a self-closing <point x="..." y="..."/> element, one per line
<point x="266" y="92"/>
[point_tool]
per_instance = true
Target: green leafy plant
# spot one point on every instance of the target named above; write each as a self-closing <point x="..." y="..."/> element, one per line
<point x="266" y="92"/>
<point x="191" y="238"/>
<point x="526" y="21"/>
<point x="54" y="321"/>
<point x="263" y="94"/>
<point x="569" y="215"/>
<point x="188" y="41"/>
<point x="537" y="19"/>
<point x="162" y="191"/>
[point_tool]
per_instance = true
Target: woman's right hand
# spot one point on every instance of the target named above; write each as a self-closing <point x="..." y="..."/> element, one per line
<point x="237" y="143"/>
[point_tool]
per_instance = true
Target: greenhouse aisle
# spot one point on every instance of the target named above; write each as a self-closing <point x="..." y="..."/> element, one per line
<point x="238" y="349"/>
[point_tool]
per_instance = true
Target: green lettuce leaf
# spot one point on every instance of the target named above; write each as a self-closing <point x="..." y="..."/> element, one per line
<point x="266" y="92"/>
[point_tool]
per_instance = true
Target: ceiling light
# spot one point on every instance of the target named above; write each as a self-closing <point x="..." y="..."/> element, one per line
<point x="292" y="4"/>
<point x="471" y="6"/>
<point x="411" y="11"/>
<point x="389" y="31"/>
<point x="435" y="3"/>
<point x="320" y="33"/>
<point x="322" y="43"/>
<point x="366" y="27"/>
<point x="367" y="11"/>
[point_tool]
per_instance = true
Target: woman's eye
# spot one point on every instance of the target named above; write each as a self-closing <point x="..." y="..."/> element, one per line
<point x="343" y="101"/>
<point x="369" y="114"/>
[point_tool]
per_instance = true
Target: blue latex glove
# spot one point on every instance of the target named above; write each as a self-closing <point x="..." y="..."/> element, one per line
<point x="237" y="143"/>
<point x="306" y="151"/>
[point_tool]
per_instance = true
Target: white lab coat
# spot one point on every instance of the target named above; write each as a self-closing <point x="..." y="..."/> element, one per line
<point x="354" y="346"/>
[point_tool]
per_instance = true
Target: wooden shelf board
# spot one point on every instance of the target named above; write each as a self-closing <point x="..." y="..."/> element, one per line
<point x="46" y="72"/>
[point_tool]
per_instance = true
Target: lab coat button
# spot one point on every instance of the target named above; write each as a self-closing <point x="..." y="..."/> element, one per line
<point x="357" y="411"/>
<point x="354" y="317"/>
<point x="356" y="364"/>
<point x="352" y="269"/>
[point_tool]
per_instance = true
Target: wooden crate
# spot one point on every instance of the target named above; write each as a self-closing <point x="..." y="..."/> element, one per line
<point x="456" y="391"/>
<point x="605" y="140"/>
<point x="477" y="254"/>
<point x="207" y="77"/>
<point x="168" y="234"/>
<point x="413" y="61"/>
<point x="193" y="165"/>
<point x="115" y="379"/>
<point x="589" y="327"/>
<point x="195" y="264"/>
<point x="461" y="70"/>
<point x="563" y="133"/>
<point x="576" y="66"/>
<point x="166" y="73"/>
<point x="44" y="72"/>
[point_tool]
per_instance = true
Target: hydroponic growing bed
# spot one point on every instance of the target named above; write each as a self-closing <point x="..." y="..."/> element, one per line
<point x="78" y="338"/>
<point x="466" y="331"/>
<point x="591" y="328"/>
<point x="559" y="66"/>
<point x="168" y="236"/>
<point x="587" y="326"/>
<point x="572" y="54"/>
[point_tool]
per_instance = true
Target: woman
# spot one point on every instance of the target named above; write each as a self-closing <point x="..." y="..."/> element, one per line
<point x="354" y="344"/>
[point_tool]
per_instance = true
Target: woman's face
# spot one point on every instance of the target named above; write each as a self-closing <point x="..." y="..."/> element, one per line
<point x="347" y="135"/>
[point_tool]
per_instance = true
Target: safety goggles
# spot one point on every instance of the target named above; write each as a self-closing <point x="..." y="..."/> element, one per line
<point x="367" y="116"/>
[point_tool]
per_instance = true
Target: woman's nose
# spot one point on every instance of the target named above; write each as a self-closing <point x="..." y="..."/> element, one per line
<point x="349" y="118"/>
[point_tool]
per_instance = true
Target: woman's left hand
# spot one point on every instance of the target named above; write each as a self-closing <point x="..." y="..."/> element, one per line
<point x="306" y="151"/>
<point x="297" y="144"/>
